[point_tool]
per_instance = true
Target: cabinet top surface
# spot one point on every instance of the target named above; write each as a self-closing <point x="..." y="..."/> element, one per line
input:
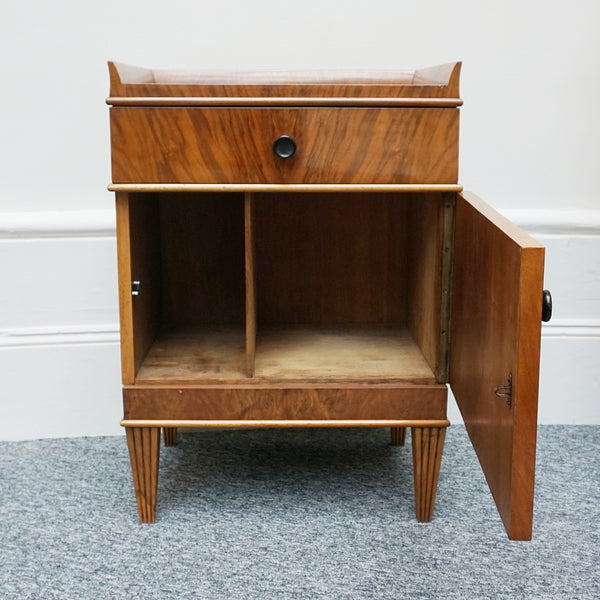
<point x="434" y="86"/>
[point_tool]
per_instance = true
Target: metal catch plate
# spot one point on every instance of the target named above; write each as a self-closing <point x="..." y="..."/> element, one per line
<point x="505" y="391"/>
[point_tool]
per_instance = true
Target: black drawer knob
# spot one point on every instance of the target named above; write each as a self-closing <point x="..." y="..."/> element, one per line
<point x="546" y="306"/>
<point x="284" y="146"/>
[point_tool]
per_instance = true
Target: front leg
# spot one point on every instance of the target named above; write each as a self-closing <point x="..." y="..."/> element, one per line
<point x="427" y="446"/>
<point x="144" y="446"/>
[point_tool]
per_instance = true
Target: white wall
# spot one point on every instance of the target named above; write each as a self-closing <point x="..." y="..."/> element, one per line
<point x="529" y="146"/>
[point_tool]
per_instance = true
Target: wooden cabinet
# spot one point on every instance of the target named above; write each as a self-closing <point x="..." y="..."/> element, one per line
<point x="295" y="251"/>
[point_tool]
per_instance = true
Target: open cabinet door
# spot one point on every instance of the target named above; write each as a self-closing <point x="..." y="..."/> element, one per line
<point x="494" y="362"/>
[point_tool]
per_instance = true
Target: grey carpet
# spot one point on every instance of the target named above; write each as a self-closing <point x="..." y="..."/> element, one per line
<point x="291" y="514"/>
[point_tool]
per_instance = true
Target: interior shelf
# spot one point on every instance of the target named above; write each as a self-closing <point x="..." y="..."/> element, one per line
<point x="212" y="354"/>
<point x="350" y="354"/>
<point x="286" y="354"/>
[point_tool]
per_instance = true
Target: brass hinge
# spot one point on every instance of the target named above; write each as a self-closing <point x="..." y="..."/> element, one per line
<point x="505" y="391"/>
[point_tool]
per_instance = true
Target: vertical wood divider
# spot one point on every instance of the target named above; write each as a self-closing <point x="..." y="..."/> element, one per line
<point x="250" y="284"/>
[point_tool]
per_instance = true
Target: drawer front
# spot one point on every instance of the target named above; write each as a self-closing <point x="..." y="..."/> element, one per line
<point x="332" y="145"/>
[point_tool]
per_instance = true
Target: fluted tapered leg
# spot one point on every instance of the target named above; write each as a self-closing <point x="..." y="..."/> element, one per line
<point x="398" y="436"/>
<point x="144" y="446"/>
<point x="170" y="436"/>
<point x="427" y="446"/>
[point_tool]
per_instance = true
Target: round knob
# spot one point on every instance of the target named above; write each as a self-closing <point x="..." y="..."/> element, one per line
<point x="546" y="306"/>
<point x="284" y="146"/>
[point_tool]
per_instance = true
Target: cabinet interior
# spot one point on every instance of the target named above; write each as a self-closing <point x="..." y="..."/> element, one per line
<point x="283" y="287"/>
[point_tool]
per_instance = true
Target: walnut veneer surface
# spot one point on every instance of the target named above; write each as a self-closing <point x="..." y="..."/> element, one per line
<point x="334" y="145"/>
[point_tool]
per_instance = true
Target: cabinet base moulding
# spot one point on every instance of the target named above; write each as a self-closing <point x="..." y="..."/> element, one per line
<point x="266" y="424"/>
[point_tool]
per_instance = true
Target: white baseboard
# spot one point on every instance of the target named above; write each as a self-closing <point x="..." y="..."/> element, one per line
<point x="61" y="390"/>
<point x="59" y="336"/>
<point x="44" y="224"/>
<point x="556" y="222"/>
<point x="59" y="330"/>
<point x="102" y="222"/>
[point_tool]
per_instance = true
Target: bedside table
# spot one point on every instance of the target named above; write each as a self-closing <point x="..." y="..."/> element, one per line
<point x="295" y="251"/>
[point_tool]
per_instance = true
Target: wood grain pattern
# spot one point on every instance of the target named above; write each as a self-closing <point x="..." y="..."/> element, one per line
<point x="435" y="82"/>
<point x="286" y="402"/>
<point x="331" y="259"/>
<point x="398" y="435"/>
<point x="170" y="436"/>
<point x="145" y="256"/>
<point x="496" y="314"/>
<point x="285" y="188"/>
<point x="138" y="255"/>
<point x="144" y="447"/>
<point x="424" y="257"/>
<point x="427" y="447"/>
<point x="128" y="369"/>
<point x="202" y="259"/>
<point x="279" y="424"/>
<point x="279" y="101"/>
<point x="250" y="284"/>
<point x="216" y="354"/>
<point x="309" y="354"/>
<point x="235" y="145"/>
<point x="447" y="265"/>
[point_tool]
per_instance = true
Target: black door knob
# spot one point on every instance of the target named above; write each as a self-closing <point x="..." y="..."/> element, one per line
<point x="546" y="306"/>
<point x="284" y="146"/>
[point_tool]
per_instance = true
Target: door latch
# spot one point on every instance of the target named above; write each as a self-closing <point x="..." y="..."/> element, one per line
<point x="505" y="391"/>
<point x="135" y="288"/>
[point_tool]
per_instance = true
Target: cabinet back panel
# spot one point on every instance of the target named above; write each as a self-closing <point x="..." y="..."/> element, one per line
<point x="202" y="247"/>
<point x="330" y="259"/>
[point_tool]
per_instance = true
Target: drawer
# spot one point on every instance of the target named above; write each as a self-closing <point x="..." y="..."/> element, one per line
<point x="332" y="145"/>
